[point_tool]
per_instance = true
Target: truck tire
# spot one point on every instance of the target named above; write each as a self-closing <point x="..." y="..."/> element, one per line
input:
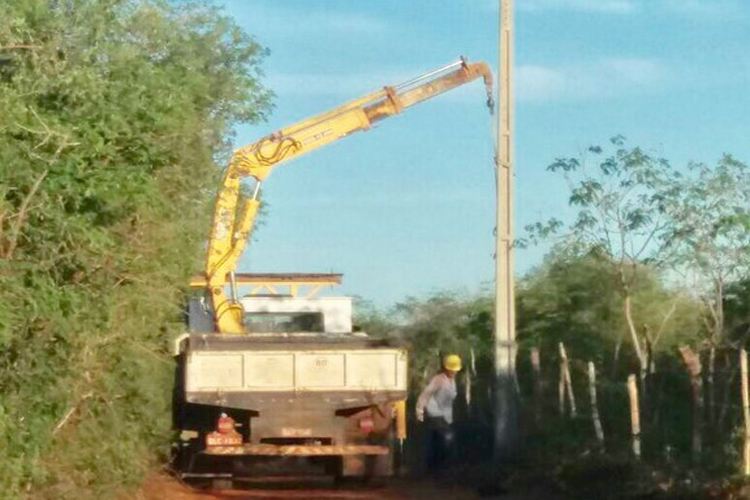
<point x="184" y="458"/>
<point x="385" y="466"/>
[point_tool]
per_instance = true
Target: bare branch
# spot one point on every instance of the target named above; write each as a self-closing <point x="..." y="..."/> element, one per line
<point x="21" y="218"/>
<point x="665" y="320"/>
<point x="48" y="134"/>
<point x="71" y="412"/>
<point x="708" y="326"/>
<point x="650" y="237"/>
<point x="20" y="46"/>
<point x="634" y="335"/>
<point x="2" y="228"/>
<point x="714" y="314"/>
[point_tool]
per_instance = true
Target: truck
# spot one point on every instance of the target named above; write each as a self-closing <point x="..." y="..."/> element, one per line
<point x="300" y="383"/>
<point x="282" y="371"/>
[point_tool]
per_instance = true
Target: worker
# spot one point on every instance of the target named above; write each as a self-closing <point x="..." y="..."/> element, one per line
<point x="435" y="409"/>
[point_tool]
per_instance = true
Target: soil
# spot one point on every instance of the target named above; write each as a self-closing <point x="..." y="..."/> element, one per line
<point x="164" y="487"/>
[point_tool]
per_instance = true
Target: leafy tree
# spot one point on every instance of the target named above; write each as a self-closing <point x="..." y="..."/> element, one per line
<point x="736" y="308"/>
<point x="618" y="213"/>
<point x="440" y="324"/>
<point x="709" y="234"/>
<point x="371" y="320"/>
<point x="572" y="298"/>
<point x="709" y="241"/>
<point x="114" y="117"/>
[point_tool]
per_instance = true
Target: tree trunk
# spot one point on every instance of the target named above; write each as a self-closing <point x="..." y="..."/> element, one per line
<point x="642" y="358"/>
<point x="745" y="412"/>
<point x="561" y="389"/>
<point x="726" y="393"/>
<point x="693" y="365"/>
<point x="710" y="385"/>
<point x="567" y="382"/>
<point x="536" y="369"/>
<point x="598" y="431"/>
<point x="616" y="356"/>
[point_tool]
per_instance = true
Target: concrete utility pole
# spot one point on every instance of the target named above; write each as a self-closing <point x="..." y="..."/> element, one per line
<point x="506" y="401"/>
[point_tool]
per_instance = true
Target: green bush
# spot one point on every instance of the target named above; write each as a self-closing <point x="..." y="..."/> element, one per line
<point x="115" y="115"/>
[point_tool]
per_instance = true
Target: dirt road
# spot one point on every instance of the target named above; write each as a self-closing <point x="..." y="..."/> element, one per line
<point x="163" y="487"/>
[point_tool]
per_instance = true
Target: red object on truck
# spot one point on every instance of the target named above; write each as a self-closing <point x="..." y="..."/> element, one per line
<point x="225" y="424"/>
<point x="225" y="434"/>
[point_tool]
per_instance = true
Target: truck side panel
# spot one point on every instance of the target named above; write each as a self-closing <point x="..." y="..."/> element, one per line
<point x="318" y="370"/>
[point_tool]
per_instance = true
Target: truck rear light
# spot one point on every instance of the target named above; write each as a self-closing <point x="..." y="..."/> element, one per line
<point x="366" y="424"/>
<point x="225" y="424"/>
<point x="225" y="434"/>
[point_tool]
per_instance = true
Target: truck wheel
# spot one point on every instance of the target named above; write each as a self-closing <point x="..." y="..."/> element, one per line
<point x="387" y="465"/>
<point x="334" y="467"/>
<point x="184" y="457"/>
<point x="352" y="469"/>
<point x="398" y="458"/>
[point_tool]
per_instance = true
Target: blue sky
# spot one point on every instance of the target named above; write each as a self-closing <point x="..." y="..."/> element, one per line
<point x="408" y="208"/>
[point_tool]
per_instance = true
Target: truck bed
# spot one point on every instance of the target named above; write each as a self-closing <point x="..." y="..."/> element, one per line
<point x="253" y="372"/>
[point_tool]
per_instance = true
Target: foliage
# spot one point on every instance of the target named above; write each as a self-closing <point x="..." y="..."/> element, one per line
<point x="610" y="276"/>
<point x="710" y="209"/>
<point x="620" y="212"/>
<point x="369" y="319"/>
<point x="618" y="209"/>
<point x="440" y="324"/>
<point x="574" y="298"/>
<point x="638" y="224"/>
<point x="709" y="233"/>
<point x="444" y="323"/>
<point x="114" y="116"/>
<point x="736" y="311"/>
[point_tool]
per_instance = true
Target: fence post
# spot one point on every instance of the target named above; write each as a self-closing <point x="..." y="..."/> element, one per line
<point x="745" y="411"/>
<point x="561" y="387"/>
<point x="693" y="364"/>
<point x="566" y="383"/>
<point x="635" y="416"/>
<point x="595" y="405"/>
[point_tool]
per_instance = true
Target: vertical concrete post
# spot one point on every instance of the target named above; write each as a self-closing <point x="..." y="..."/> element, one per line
<point x="506" y="402"/>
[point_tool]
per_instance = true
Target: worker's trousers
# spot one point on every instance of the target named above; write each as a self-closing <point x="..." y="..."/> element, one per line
<point x="440" y="442"/>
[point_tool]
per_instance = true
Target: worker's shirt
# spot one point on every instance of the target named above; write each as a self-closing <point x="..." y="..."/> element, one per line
<point x="436" y="400"/>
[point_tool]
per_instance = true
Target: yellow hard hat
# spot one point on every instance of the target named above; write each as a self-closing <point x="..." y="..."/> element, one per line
<point x="452" y="362"/>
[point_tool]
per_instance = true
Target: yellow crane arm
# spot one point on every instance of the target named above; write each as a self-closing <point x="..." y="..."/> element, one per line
<point x="231" y="227"/>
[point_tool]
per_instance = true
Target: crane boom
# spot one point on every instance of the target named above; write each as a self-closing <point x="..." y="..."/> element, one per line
<point x="232" y="223"/>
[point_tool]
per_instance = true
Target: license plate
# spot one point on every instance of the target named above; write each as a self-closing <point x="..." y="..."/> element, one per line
<point x="216" y="439"/>
<point x="294" y="432"/>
